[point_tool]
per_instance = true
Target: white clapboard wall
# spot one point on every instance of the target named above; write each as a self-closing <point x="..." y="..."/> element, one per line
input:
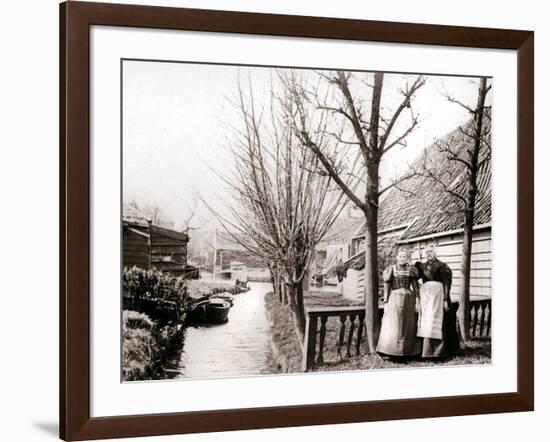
<point x="449" y="250"/>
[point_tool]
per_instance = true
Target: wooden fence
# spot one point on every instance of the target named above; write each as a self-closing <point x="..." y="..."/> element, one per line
<point x="353" y="316"/>
<point x="480" y="318"/>
<point x="350" y="335"/>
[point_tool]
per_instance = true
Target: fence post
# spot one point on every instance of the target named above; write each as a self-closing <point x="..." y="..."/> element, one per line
<point x="308" y="355"/>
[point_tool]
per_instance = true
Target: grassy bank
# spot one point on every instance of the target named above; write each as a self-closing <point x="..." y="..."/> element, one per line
<point x="288" y="353"/>
<point x="201" y="287"/>
<point x="140" y="347"/>
<point x="146" y="346"/>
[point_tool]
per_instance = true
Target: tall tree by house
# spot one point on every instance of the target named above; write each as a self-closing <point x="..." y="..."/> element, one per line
<point x="348" y="108"/>
<point x="472" y="155"/>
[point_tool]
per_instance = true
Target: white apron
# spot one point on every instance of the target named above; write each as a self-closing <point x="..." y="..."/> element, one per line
<point x="430" y="318"/>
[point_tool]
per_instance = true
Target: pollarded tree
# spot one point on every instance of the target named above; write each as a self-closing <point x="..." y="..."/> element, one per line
<point x="342" y="119"/>
<point x="284" y="203"/>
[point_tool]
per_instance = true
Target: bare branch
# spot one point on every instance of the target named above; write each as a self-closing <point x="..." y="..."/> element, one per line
<point x="451" y="99"/>
<point x="395" y="183"/>
<point x="405" y="103"/>
<point x="330" y="169"/>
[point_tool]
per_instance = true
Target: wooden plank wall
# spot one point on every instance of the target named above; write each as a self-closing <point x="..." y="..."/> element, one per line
<point x="449" y="250"/>
<point x="134" y="250"/>
<point x="163" y="247"/>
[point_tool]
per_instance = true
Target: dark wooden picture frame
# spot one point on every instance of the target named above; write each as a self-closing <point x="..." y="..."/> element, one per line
<point x="75" y="21"/>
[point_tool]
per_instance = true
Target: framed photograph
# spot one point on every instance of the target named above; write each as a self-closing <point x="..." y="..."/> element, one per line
<point x="272" y="220"/>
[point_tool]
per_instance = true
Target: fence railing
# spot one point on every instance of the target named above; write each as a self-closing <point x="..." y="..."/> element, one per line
<point x="352" y="323"/>
<point x="350" y="334"/>
<point x="480" y="318"/>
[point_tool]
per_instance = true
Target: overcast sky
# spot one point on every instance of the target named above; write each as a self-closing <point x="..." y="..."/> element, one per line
<point x="176" y="117"/>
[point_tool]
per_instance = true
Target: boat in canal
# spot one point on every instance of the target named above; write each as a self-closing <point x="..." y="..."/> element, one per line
<point x="211" y="311"/>
<point x="217" y="310"/>
<point x="226" y="296"/>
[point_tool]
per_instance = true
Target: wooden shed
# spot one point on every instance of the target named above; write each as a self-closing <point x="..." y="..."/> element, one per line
<point x="148" y="246"/>
<point x="135" y="246"/>
<point x="421" y="212"/>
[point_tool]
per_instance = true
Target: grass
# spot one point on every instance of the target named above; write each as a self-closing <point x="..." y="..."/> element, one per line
<point x="199" y="287"/>
<point x="476" y="351"/>
<point x="288" y="352"/>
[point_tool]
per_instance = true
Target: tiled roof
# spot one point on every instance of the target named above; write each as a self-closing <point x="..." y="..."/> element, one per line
<point x="344" y="229"/>
<point x="422" y="204"/>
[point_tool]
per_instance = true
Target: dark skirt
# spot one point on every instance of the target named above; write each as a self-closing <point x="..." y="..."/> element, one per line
<point x="449" y="345"/>
<point x="398" y="331"/>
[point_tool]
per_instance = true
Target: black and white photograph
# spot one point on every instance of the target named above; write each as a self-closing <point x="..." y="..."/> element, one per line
<point x="286" y="220"/>
<point x="234" y="221"/>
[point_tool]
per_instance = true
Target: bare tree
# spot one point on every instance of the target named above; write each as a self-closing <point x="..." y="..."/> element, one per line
<point x="191" y="211"/>
<point x="283" y="202"/>
<point x="361" y="133"/>
<point x="471" y="157"/>
<point x="157" y="216"/>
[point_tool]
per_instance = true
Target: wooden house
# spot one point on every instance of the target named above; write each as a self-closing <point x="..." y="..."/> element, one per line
<point x="335" y="248"/>
<point x="233" y="261"/>
<point x="421" y="211"/>
<point x="148" y="246"/>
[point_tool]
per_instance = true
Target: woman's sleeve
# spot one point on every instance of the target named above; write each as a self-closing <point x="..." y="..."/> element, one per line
<point x="418" y="267"/>
<point x="387" y="274"/>
<point x="446" y="275"/>
<point x="415" y="274"/>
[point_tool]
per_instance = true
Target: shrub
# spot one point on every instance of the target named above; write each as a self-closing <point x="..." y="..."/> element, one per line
<point x="141" y="353"/>
<point x="153" y="284"/>
<point x="158" y="294"/>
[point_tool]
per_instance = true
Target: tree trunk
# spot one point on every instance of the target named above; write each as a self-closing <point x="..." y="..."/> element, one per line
<point x="301" y="309"/>
<point x="275" y="284"/>
<point x="284" y="291"/>
<point x="296" y="304"/>
<point x="306" y="281"/>
<point x="370" y="279"/>
<point x="464" y="294"/>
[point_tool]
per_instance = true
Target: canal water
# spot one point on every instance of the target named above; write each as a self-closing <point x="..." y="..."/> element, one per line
<point x="240" y="347"/>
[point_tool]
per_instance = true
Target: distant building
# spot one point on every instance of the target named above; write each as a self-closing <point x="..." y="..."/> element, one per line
<point x="147" y="246"/>
<point x="233" y="261"/>
<point x="335" y="249"/>
<point x="156" y="247"/>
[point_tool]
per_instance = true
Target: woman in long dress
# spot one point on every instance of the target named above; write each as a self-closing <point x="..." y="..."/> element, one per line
<point x="437" y="318"/>
<point x="398" y="331"/>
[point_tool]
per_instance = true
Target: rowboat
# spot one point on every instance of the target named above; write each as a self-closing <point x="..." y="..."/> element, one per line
<point x="217" y="310"/>
<point x="211" y="311"/>
<point x="226" y="296"/>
